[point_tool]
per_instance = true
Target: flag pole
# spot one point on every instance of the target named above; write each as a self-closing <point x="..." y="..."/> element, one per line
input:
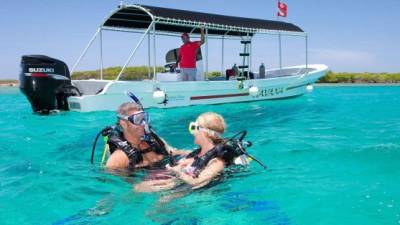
<point x="280" y="42"/>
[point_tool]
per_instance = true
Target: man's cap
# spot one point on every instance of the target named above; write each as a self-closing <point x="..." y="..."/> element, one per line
<point x="185" y="35"/>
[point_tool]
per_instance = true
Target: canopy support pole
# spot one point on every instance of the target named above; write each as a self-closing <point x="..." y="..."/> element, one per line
<point x="134" y="50"/>
<point x="148" y="57"/>
<point x="101" y="54"/>
<point x="154" y="52"/>
<point x="251" y="55"/>
<point x="280" y="52"/>
<point x="222" y="53"/>
<point x="194" y="28"/>
<point x="85" y="50"/>
<point x="306" y="37"/>
<point x="206" y="75"/>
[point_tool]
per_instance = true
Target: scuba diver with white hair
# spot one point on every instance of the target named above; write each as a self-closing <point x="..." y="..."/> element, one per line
<point x="132" y="143"/>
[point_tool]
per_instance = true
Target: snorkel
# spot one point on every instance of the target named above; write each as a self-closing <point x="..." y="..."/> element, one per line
<point x="145" y="123"/>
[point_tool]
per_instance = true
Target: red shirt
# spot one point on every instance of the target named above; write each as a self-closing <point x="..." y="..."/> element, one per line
<point x="188" y="53"/>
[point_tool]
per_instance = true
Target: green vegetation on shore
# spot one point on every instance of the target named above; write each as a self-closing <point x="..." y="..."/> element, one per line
<point x="130" y="73"/>
<point x="9" y="81"/>
<point x="332" y="77"/>
<point x="110" y="73"/>
<point x="141" y="72"/>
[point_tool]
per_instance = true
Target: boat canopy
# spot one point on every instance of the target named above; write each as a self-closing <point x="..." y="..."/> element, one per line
<point x="178" y="21"/>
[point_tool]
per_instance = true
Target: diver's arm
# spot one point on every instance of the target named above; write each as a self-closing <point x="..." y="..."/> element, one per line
<point x="214" y="167"/>
<point x="175" y="152"/>
<point x="154" y="185"/>
<point x="117" y="160"/>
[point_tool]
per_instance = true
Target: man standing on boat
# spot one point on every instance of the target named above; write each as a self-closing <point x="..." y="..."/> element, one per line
<point x="187" y="56"/>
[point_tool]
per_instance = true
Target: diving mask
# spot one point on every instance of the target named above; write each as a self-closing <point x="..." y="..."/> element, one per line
<point x="137" y="118"/>
<point x="193" y="126"/>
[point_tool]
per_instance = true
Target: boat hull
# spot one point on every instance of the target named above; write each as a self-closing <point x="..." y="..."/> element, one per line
<point x="179" y="94"/>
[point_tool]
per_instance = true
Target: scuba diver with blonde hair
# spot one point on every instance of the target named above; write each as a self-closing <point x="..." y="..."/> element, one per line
<point x="204" y="164"/>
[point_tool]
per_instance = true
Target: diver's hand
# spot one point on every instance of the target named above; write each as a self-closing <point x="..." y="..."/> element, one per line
<point x="168" y="147"/>
<point x="175" y="169"/>
<point x="171" y="150"/>
<point x="169" y="168"/>
<point x="176" y="152"/>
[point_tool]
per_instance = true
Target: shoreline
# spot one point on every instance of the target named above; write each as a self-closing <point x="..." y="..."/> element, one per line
<point x="354" y="84"/>
<point x="9" y="85"/>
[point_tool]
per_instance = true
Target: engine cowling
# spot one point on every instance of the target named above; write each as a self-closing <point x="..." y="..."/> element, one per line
<point x="46" y="82"/>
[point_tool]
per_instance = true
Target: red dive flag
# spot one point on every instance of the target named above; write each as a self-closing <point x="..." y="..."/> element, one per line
<point x="282" y="9"/>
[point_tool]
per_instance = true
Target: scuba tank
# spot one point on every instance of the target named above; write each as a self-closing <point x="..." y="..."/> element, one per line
<point x="261" y="71"/>
<point x="232" y="151"/>
<point x="235" y="69"/>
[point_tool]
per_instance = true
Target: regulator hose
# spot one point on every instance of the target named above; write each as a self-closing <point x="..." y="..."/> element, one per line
<point x="94" y="146"/>
<point x="104" y="133"/>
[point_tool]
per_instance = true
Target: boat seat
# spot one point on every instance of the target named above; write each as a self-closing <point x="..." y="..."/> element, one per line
<point x="89" y="87"/>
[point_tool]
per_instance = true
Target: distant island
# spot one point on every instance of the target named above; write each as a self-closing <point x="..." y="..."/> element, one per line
<point x="360" y="78"/>
<point x="9" y="83"/>
<point x="142" y="72"/>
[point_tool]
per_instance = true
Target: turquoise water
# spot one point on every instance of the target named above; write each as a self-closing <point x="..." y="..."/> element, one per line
<point x="333" y="158"/>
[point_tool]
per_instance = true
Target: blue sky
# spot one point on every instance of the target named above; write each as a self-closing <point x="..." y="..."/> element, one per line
<point x="352" y="36"/>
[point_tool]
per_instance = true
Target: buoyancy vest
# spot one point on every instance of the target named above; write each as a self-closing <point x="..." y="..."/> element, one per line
<point x="226" y="151"/>
<point x="135" y="155"/>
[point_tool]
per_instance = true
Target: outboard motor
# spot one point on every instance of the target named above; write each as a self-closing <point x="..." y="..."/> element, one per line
<point x="46" y="82"/>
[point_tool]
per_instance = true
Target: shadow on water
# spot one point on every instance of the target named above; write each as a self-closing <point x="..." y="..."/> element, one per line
<point x="183" y="205"/>
<point x="271" y="211"/>
<point x="217" y="203"/>
<point x="91" y="215"/>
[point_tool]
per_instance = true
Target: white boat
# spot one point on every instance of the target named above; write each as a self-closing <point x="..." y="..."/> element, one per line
<point x="164" y="90"/>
